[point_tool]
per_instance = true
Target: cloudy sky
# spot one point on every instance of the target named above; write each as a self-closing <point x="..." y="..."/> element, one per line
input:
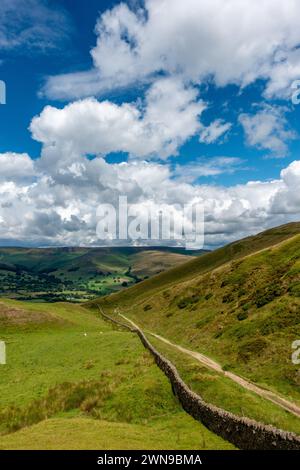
<point x="165" y="101"/>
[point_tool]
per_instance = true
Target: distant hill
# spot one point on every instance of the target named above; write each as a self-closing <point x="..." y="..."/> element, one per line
<point x="78" y="274"/>
<point x="239" y="304"/>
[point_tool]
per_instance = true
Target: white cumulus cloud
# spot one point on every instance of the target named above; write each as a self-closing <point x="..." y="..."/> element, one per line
<point x="157" y="127"/>
<point x="268" y="130"/>
<point x="231" y="42"/>
<point x="54" y="207"/>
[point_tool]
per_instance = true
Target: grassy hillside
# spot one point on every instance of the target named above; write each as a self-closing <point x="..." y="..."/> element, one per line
<point x="219" y="390"/>
<point x="207" y="262"/>
<point x="179" y="433"/>
<point x="73" y="382"/>
<point x="77" y="274"/>
<point x="239" y="305"/>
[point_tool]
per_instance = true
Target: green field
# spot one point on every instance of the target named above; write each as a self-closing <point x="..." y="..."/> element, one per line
<point x="79" y="274"/>
<point x="73" y="382"/>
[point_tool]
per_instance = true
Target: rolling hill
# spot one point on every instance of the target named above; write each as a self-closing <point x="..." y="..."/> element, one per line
<point x="78" y="274"/>
<point x="239" y="305"/>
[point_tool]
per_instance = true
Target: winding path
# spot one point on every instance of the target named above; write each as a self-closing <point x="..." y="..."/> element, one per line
<point x="267" y="394"/>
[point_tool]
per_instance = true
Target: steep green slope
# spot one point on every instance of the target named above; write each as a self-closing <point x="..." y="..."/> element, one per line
<point x="205" y="263"/>
<point x="73" y="381"/>
<point x="239" y="305"/>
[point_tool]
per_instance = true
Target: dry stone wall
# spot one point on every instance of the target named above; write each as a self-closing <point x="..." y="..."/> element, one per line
<point x="244" y="433"/>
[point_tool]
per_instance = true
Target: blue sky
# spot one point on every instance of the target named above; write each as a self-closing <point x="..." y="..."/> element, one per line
<point x="234" y="122"/>
<point x="24" y="75"/>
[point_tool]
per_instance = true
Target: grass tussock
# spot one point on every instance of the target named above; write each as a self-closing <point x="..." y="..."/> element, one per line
<point x="86" y="396"/>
